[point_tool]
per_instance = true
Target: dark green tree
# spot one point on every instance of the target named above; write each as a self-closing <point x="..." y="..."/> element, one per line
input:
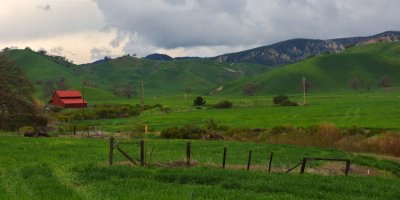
<point x="199" y="101"/>
<point x="15" y="92"/>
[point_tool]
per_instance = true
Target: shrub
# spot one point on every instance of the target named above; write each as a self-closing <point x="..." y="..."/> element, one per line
<point x="283" y="100"/>
<point x="105" y="111"/>
<point x="199" y="101"/>
<point x="187" y="132"/>
<point x="243" y="134"/>
<point x="223" y="104"/>
<point x="280" y="99"/>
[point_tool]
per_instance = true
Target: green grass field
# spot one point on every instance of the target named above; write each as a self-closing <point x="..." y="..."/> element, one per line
<point x="74" y="168"/>
<point x="374" y="110"/>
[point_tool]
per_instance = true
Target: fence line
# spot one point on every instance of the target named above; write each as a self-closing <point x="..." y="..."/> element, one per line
<point x="113" y="145"/>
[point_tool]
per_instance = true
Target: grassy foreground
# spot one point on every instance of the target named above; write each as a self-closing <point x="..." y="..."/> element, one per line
<point x="72" y="168"/>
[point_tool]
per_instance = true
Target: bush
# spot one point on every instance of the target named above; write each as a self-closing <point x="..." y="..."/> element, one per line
<point x="280" y="99"/>
<point x="242" y="134"/>
<point x="106" y="111"/>
<point x="283" y="100"/>
<point x="187" y="132"/>
<point x="223" y="104"/>
<point x="199" y="101"/>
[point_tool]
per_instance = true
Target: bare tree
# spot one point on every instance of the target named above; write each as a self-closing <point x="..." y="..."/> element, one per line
<point x="49" y="87"/>
<point x="115" y="89"/>
<point x="354" y="83"/>
<point x="61" y="83"/>
<point x="385" y="81"/>
<point x="250" y="89"/>
<point x="129" y="90"/>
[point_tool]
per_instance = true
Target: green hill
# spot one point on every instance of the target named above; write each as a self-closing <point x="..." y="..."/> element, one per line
<point x="169" y="77"/>
<point x="160" y="78"/>
<point x="331" y="72"/>
<point x="40" y="69"/>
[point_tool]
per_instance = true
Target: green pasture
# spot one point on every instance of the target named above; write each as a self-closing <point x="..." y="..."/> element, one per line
<point x="374" y="110"/>
<point x="77" y="168"/>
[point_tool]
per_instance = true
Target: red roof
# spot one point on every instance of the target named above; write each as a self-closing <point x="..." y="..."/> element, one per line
<point x="68" y="99"/>
<point x="73" y="101"/>
<point x="68" y="93"/>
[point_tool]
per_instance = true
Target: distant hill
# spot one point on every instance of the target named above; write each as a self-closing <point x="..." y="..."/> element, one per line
<point x="166" y="78"/>
<point x="295" y="50"/>
<point x="159" y="57"/>
<point x="160" y="78"/>
<point x="164" y="57"/>
<point x="365" y="64"/>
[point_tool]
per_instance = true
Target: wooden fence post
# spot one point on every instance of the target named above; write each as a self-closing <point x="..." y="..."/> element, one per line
<point x="142" y="162"/>
<point x="347" y="167"/>
<point x="188" y="154"/>
<point x="74" y="129"/>
<point x="248" y="162"/>
<point x="111" y="150"/>
<point x="224" y="159"/>
<point x="303" y="166"/>
<point x="270" y="162"/>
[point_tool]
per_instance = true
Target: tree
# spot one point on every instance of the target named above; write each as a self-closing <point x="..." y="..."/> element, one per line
<point x="306" y="85"/>
<point x="199" y="101"/>
<point x="16" y="92"/>
<point x="62" y="83"/>
<point x="49" y="88"/>
<point x="115" y="89"/>
<point x="187" y="90"/>
<point x="250" y="89"/>
<point x="354" y="83"/>
<point x="129" y="90"/>
<point x="385" y="81"/>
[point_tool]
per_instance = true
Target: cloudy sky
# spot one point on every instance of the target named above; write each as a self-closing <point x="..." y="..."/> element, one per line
<point x="87" y="30"/>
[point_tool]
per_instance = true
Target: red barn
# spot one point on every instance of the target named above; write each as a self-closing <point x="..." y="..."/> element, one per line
<point x="68" y="99"/>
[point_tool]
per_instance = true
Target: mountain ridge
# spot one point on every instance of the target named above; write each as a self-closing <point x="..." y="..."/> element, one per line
<point x="294" y="50"/>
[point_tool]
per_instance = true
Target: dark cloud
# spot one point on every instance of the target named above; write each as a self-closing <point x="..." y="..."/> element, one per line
<point x="191" y="23"/>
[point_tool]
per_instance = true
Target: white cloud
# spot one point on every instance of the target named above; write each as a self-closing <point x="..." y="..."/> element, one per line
<point x="183" y="27"/>
<point x="75" y="46"/>
<point x="194" y="24"/>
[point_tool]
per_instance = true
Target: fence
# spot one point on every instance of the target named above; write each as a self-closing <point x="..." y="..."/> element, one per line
<point x="125" y="149"/>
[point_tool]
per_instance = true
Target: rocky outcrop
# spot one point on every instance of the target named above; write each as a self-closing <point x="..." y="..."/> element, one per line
<point x="295" y="50"/>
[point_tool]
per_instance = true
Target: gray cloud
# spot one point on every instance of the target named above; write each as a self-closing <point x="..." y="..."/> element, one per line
<point x="192" y="23"/>
<point x="45" y="7"/>
<point x="57" y="50"/>
<point x="100" y="53"/>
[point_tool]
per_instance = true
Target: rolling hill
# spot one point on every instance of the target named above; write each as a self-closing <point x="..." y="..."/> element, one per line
<point x="172" y="77"/>
<point x="331" y="72"/>
<point x="366" y="64"/>
<point x="296" y="50"/>
<point x="160" y="78"/>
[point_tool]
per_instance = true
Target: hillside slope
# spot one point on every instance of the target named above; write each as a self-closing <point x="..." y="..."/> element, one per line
<point x="172" y="77"/>
<point x="295" y="50"/>
<point x="331" y="72"/>
<point x="160" y="78"/>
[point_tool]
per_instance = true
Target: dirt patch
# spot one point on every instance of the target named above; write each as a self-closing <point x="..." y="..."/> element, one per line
<point x="336" y="169"/>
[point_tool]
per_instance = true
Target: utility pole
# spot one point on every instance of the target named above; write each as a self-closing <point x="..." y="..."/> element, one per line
<point x="304" y="90"/>
<point x="83" y="98"/>
<point x="142" y="96"/>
